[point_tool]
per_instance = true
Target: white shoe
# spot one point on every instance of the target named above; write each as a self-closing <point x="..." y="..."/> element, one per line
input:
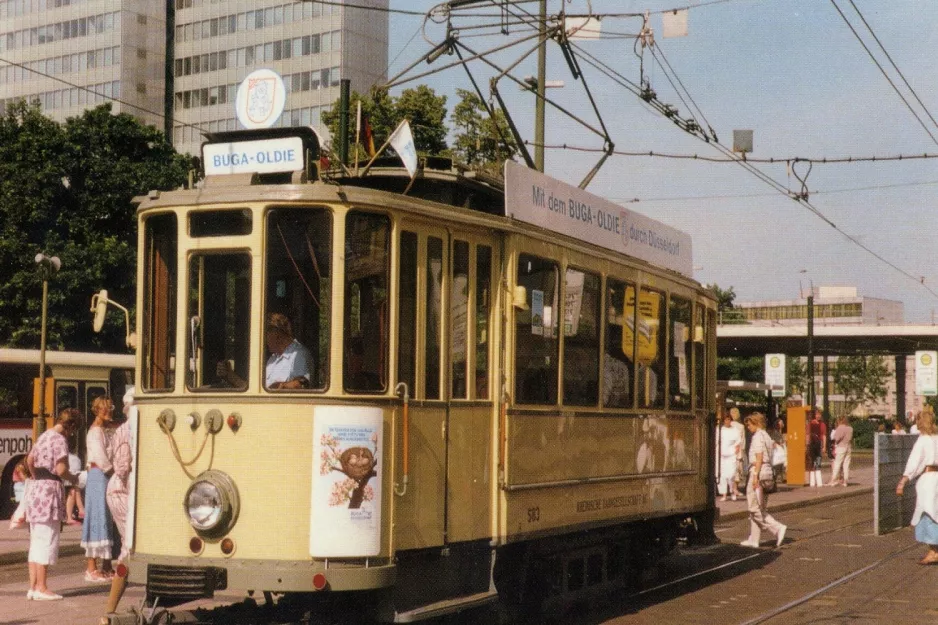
<point x="29" y="595"/>
<point x="781" y="536"/>
<point x="45" y="596"/>
<point x="750" y="543"/>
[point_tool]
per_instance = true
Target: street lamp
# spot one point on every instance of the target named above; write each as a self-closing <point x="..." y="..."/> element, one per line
<point x="47" y="267"/>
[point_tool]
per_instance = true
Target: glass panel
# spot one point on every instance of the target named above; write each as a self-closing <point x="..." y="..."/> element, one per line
<point x="710" y="343"/>
<point x="434" y="303"/>
<point x="219" y="314"/>
<point x="159" y="302"/>
<point x="536" y="332"/>
<point x="367" y="246"/>
<point x="407" y="312"/>
<point x="700" y="357"/>
<point x="618" y="363"/>
<point x="66" y="396"/>
<point x="651" y="342"/>
<point x="581" y="339"/>
<point x="680" y="353"/>
<point x="299" y="292"/>
<point x="483" y="306"/>
<point x="459" y="313"/>
<point x="220" y="223"/>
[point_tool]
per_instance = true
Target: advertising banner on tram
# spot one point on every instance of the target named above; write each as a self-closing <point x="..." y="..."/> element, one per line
<point x="535" y="198"/>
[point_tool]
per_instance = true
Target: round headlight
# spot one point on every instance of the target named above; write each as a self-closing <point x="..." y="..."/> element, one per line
<point x="211" y="503"/>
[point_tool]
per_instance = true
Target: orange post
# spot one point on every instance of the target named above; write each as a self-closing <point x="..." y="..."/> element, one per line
<point x="797" y="421"/>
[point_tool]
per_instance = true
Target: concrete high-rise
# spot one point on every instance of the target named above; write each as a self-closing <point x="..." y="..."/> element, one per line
<point x="75" y="54"/>
<point x="71" y="55"/>
<point x="312" y="45"/>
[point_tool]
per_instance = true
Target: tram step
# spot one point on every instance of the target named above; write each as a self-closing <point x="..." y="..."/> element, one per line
<point x="446" y="606"/>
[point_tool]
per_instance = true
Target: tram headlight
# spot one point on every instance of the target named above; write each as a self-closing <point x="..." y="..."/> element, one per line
<point x="211" y="503"/>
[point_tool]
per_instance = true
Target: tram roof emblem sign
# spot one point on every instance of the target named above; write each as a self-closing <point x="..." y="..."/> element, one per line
<point x="260" y="99"/>
<point x="538" y="199"/>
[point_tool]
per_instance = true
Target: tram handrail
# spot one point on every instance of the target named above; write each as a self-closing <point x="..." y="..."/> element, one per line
<point x="401" y="389"/>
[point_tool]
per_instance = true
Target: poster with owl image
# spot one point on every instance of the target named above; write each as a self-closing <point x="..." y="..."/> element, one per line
<point x="347" y="453"/>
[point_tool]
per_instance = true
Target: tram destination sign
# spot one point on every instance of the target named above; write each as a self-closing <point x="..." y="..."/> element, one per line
<point x="264" y="156"/>
<point x="535" y="198"/>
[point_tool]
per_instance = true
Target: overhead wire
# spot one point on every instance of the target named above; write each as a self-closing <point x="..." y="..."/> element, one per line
<point x="883" y="72"/>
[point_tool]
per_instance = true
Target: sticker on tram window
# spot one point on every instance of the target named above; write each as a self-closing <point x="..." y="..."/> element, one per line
<point x="537" y="312"/>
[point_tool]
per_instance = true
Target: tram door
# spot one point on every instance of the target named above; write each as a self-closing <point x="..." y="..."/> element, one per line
<point x="444" y="356"/>
<point x="423" y="262"/>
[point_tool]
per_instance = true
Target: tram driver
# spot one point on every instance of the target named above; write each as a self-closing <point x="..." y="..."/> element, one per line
<point x="289" y="364"/>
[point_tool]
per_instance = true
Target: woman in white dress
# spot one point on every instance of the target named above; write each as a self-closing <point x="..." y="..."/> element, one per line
<point x="728" y="442"/>
<point x="923" y="464"/>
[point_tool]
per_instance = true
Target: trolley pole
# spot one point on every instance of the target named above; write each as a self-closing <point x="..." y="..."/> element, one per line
<point x="47" y="267"/>
<point x="541" y="79"/>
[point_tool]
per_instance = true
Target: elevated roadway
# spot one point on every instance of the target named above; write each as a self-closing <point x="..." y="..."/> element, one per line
<point x="758" y="340"/>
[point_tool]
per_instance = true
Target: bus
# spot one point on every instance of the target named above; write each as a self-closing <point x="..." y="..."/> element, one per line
<point x="77" y="378"/>
<point x="508" y="396"/>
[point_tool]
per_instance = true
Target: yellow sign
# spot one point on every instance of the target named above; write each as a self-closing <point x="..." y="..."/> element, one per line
<point x="50" y="395"/>
<point x="649" y="304"/>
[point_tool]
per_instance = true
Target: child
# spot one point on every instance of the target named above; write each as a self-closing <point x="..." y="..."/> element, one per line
<point x="74" y="496"/>
<point x="20" y="478"/>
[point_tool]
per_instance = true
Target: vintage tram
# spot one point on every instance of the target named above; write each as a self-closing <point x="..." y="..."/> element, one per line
<point x="490" y="407"/>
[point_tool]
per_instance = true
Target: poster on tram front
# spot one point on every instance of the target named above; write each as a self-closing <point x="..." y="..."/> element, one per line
<point x="346" y="498"/>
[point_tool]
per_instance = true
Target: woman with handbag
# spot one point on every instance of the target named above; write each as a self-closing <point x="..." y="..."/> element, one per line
<point x="761" y="483"/>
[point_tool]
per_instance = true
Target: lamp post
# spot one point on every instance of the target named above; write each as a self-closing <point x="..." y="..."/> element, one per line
<point x="47" y="267"/>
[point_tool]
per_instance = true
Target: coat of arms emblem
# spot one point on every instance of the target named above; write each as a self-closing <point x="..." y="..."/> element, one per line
<point x="261" y="93"/>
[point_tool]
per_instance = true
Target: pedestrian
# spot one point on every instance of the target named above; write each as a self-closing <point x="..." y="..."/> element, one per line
<point x="73" y="496"/>
<point x="923" y="461"/>
<point x="45" y="501"/>
<point x="118" y="491"/>
<point x="97" y="529"/>
<point x="780" y="452"/>
<point x="728" y="443"/>
<point x="897" y="427"/>
<point x="816" y="448"/>
<point x="741" y="456"/>
<point x="842" y="438"/>
<point x="760" y="468"/>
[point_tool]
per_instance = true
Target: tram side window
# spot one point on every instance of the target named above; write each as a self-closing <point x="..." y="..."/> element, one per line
<point x="651" y="340"/>
<point x="459" y="315"/>
<point x="66" y="396"/>
<point x="700" y="356"/>
<point x="536" y="332"/>
<point x="618" y="363"/>
<point x="298" y="286"/>
<point x="407" y="312"/>
<point x="367" y="268"/>
<point x="483" y="306"/>
<point x="159" y="305"/>
<point x="219" y="314"/>
<point x="710" y="342"/>
<point x="581" y="339"/>
<point x="434" y="302"/>
<point x="680" y="352"/>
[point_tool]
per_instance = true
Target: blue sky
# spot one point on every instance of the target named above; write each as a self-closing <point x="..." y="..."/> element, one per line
<point x="791" y="71"/>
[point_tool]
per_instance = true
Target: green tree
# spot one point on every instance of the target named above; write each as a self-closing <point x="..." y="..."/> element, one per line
<point x="425" y="110"/>
<point x="861" y="379"/>
<point x="66" y="190"/>
<point x="726" y="309"/>
<point x="480" y="141"/>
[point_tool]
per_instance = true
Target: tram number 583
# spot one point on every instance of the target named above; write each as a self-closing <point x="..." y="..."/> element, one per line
<point x="534" y="514"/>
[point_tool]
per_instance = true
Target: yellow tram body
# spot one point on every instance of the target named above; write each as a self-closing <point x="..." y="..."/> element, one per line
<point x="476" y="475"/>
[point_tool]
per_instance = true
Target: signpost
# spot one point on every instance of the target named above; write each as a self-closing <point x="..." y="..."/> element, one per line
<point x="775" y="373"/>
<point x="926" y="373"/>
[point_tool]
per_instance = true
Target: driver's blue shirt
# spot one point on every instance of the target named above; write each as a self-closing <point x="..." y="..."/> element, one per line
<point x="293" y="363"/>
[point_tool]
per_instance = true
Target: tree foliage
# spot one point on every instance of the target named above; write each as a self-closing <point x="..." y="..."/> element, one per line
<point x="861" y="379"/>
<point x="726" y="308"/>
<point x="425" y="110"/>
<point x="66" y="191"/>
<point x="480" y="140"/>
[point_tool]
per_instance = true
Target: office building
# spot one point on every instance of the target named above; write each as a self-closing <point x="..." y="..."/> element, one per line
<point x="75" y="54"/>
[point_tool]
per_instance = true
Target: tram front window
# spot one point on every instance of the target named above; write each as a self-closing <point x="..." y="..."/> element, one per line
<point x="219" y="315"/>
<point x="298" y="299"/>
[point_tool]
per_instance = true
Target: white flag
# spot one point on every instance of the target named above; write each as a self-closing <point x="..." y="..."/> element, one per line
<point x="402" y="140"/>
<point x="675" y="23"/>
<point x="583" y="27"/>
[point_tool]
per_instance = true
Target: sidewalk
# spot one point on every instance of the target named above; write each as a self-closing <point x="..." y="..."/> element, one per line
<point x="789" y="496"/>
<point x="14" y="544"/>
